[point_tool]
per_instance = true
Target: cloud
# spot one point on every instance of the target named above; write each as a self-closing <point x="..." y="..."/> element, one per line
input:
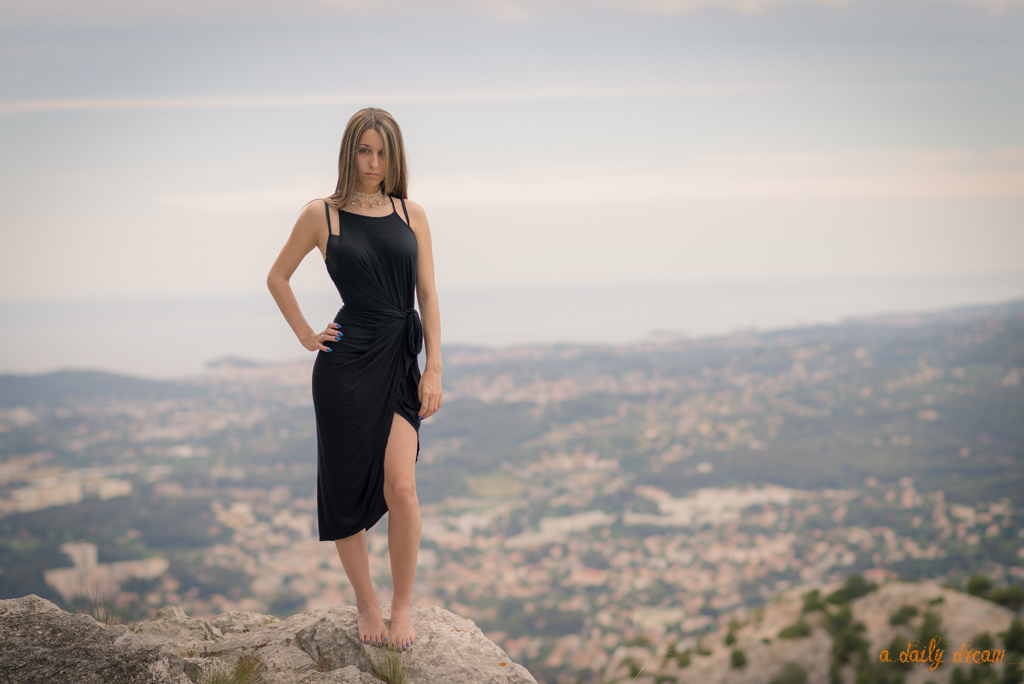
<point x="278" y="197"/>
<point x="861" y="175"/>
<point x="496" y="95"/>
<point x="558" y="93"/>
<point x="120" y="12"/>
<point x="872" y="174"/>
<point x="669" y="7"/>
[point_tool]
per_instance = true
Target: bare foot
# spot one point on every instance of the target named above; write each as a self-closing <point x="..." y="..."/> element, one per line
<point x="371" y="627"/>
<point x="402" y="634"/>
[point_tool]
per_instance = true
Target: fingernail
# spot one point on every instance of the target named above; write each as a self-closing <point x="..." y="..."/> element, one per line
<point x="337" y="338"/>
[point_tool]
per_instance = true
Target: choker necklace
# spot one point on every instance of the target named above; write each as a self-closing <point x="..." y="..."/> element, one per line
<point x="374" y="200"/>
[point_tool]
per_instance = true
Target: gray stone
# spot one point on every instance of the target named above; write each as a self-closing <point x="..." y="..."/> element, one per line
<point x="344" y="675"/>
<point x="43" y="644"/>
<point x="450" y="648"/>
<point x="201" y="669"/>
<point x="27" y="604"/>
<point x="285" y="664"/>
<point x="39" y="642"/>
<point x="240" y="621"/>
<point x="189" y="635"/>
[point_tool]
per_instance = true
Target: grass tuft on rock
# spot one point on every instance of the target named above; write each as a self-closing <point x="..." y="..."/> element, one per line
<point x="107" y="605"/>
<point x="389" y="665"/>
<point x="247" y="669"/>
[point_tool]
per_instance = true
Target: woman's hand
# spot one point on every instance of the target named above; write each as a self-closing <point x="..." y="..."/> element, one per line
<point x="430" y="393"/>
<point x="315" y="341"/>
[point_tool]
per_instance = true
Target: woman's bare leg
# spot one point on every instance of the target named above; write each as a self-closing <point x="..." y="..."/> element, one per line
<point x="356" y="561"/>
<point x="404" y="526"/>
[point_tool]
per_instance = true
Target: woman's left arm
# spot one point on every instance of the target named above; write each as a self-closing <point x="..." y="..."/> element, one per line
<point x="430" y="382"/>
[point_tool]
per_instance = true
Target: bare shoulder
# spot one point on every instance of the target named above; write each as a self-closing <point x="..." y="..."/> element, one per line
<point x="314" y="211"/>
<point x="417" y="217"/>
<point x="312" y="219"/>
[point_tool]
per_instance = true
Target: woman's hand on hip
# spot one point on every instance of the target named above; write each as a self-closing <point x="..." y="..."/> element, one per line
<point x="430" y="393"/>
<point x="315" y="341"/>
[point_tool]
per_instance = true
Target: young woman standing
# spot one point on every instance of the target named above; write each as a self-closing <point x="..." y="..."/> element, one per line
<point x="368" y="393"/>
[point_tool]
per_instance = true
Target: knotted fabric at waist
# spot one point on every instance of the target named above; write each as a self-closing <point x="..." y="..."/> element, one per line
<point x="413" y="326"/>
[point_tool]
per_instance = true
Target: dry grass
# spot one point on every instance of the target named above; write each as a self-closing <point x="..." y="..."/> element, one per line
<point x="389" y="665"/>
<point x="248" y="669"/>
<point x="106" y="605"/>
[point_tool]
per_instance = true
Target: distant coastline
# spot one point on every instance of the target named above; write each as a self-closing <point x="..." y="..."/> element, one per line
<point x="170" y="337"/>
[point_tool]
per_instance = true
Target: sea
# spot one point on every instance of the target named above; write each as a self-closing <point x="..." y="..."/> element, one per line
<point x="165" y="337"/>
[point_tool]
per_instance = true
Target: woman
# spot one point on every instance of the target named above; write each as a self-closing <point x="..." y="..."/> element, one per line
<point x="368" y="394"/>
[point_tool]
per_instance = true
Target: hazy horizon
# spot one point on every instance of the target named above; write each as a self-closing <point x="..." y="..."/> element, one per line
<point x="163" y="151"/>
<point x="187" y="331"/>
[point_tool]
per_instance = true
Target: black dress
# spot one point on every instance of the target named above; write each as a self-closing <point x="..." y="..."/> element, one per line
<point x="372" y="372"/>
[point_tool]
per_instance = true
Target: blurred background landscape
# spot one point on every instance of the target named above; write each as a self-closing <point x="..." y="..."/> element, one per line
<point x="732" y="297"/>
<point x="577" y="500"/>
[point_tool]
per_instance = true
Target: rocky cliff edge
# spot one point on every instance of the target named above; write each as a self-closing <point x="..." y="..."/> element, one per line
<point x="39" y="642"/>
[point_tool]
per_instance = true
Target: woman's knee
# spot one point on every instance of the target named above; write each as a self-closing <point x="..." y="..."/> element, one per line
<point x="400" y="493"/>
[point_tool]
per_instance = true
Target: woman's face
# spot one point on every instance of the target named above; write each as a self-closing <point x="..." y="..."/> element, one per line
<point x="370" y="163"/>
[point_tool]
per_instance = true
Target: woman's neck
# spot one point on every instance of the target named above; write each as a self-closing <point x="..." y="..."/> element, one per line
<point x="368" y="190"/>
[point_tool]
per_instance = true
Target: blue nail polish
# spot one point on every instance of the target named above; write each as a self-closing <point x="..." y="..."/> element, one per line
<point x="337" y="338"/>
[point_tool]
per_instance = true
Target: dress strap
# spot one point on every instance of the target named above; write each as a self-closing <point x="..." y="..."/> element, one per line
<point x="327" y="211"/>
<point x="404" y="211"/>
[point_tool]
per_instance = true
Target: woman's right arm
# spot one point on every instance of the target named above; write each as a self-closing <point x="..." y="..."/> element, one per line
<point x="310" y="224"/>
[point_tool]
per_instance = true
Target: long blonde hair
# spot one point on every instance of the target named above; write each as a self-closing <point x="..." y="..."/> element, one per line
<point x="396" y="176"/>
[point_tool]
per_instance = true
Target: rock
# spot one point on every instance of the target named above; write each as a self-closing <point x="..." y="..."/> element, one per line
<point x="28" y="604"/>
<point x="188" y="634"/>
<point x="285" y="664"/>
<point x="39" y="642"/>
<point x="240" y="621"/>
<point x="450" y="648"/>
<point x="344" y="675"/>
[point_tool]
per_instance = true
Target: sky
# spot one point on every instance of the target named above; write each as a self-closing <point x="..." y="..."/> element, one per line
<point x="164" y="149"/>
